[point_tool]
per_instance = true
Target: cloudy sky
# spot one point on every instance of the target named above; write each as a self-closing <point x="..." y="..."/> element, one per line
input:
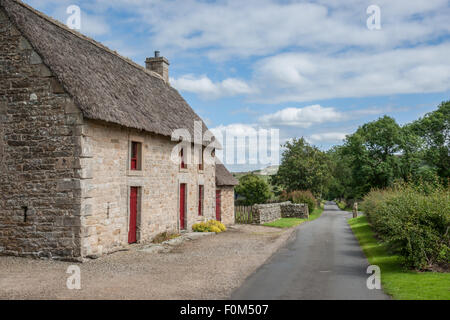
<point x="307" y="68"/>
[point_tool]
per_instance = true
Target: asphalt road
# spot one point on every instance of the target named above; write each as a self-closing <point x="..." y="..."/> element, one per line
<point x="323" y="260"/>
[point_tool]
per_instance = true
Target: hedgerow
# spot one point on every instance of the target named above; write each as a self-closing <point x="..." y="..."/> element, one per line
<point x="414" y="220"/>
<point x="300" y="196"/>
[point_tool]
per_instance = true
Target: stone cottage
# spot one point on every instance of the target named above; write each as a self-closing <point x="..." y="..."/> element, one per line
<point x="85" y="146"/>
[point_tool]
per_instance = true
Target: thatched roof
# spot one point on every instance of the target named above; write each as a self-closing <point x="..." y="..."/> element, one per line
<point x="103" y="84"/>
<point x="224" y="177"/>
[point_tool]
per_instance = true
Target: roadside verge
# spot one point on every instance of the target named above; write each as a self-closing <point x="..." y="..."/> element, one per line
<point x="398" y="282"/>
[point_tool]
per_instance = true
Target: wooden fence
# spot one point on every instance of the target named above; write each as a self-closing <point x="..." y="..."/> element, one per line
<point x="243" y="214"/>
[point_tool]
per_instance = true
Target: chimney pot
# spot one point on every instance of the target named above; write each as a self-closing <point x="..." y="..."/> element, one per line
<point x="158" y="64"/>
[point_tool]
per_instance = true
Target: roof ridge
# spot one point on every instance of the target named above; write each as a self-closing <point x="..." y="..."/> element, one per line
<point x="86" y="38"/>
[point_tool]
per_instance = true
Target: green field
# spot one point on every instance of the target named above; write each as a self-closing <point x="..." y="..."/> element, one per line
<point x="396" y="281"/>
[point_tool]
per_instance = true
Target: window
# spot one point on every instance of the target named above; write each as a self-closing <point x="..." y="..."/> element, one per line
<point x="200" y="161"/>
<point x="136" y="151"/>
<point x="183" y="164"/>
<point x="201" y="191"/>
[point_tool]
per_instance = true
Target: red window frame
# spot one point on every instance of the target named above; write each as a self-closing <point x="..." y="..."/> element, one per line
<point x="201" y="189"/>
<point x="200" y="165"/>
<point x="182" y="164"/>
<point x="134" y="155"/>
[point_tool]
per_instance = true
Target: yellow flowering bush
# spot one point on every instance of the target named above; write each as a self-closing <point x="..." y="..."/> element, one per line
<point x="210" y="226"/>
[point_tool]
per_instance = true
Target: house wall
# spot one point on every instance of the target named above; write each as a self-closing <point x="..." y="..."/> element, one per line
<point x="227" y="204"/>
<point x="107" y="181"/>
<point x="39" y="155"/>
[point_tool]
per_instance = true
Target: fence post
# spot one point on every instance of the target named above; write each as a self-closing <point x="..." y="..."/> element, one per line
<point x="355" y="210"/>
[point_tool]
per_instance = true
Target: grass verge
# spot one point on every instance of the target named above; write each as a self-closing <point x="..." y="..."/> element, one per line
<point x="398" y="282"/>
<point x="293" y="222"/>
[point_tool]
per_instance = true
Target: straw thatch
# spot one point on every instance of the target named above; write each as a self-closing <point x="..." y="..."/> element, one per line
<point x="224" y="177"/>
<point x="104" y="85"/>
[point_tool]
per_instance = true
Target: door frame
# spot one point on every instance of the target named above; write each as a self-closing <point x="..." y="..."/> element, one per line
<point x="185" y="206"/>
<point x="219" y="192"/>
<point x="138" y="212"/>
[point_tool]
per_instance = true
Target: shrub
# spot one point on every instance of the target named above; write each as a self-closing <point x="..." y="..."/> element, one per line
<point x="414" y="222"/>
<point x="164" y="236"/>
<point x="300" y="197"/>
<point x="210" y="226"/>
<point x="254" y="189"/>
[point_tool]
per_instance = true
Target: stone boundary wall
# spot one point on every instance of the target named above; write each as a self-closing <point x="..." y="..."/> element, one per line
<point x="294" y="210"/>
<point x="264" y="213"/>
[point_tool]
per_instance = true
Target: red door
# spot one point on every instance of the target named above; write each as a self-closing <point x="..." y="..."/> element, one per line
<point x="182" y="205"/>
<point x="133" y="215"/>
<point x="218" y="205"/>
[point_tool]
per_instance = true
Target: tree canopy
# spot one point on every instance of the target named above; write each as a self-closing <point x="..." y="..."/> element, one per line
<point x="253" y="188"/>
<point x="304" y="167"/>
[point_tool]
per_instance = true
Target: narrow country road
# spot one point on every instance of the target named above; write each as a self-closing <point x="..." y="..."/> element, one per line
<point x="322" y="261"/>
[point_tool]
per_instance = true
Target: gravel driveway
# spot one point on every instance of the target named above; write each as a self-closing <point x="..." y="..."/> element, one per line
<point x="207" y="268"/>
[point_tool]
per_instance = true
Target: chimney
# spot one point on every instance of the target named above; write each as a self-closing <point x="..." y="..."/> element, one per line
<point x="159" y="65"/>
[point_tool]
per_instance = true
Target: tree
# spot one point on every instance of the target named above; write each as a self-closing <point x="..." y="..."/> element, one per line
<point x="381" y="151"/>
<point x="303" y="167"/>
<point x="374" y="152"/>
<point x="253" y="188"/>
<point x="434" y="129"/>
<point x="341" y="183"/>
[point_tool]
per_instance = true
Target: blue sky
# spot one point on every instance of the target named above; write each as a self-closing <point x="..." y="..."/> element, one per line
<point x="307" y="68"/>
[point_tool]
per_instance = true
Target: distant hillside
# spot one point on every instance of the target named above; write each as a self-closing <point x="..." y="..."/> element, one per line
<point x="266" y="172"/>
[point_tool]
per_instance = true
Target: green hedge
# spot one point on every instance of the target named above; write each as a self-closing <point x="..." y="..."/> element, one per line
<point x="414" y="221"/>
<point x="301" y="196"/>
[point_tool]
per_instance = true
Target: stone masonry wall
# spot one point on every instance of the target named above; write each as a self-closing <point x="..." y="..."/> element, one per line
<point x="263" y="213"/>
<point x="39" y="155"/>
<point x="227" y="204"/>
<point x="294" y="210"/>
<point x="107" y="183"/>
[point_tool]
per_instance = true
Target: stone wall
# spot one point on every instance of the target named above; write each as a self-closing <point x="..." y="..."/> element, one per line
<point x="294" y="210"/>
<point x="263" y="213"/>
<point x="39" y="155"/>
<point x="227" y="204"/>
<point x="105" y="203"/>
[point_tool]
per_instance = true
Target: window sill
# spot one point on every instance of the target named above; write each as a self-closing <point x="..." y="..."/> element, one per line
<point x="184" y="170"/>
<point x="135" y="173"/>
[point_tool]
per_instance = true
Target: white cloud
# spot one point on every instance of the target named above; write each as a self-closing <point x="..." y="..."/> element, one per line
<point x="235" y="28"/>
<point x="326" y="137"/>
<point x="206" y="88"/>
<point x="333" y="54"/>
<point x="305" y="77"/>
<point x="302" y="117"/>
<point x="93" y="25"/>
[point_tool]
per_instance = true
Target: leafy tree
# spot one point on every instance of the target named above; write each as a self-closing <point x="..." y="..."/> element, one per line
<point x="434" y="129"/>
<point x="303" y="167"/>
<point x="374" y="154"/>
<point x="341" y="183"/>
<point x="253" y="188"/>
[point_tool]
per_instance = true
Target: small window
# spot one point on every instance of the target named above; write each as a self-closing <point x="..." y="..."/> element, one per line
<point x="201" y="160"/>
<point x="201" y="190"/>
<point x="136" y="156"/>
<point x="183" y="164"/>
